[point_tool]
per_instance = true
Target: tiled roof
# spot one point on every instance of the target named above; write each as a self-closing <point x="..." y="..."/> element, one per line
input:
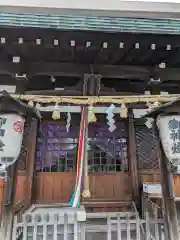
<point x="106" y="24"/>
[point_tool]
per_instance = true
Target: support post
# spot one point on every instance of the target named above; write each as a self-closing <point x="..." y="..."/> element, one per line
<point x="30" y="160"/>
<point x="91" y="87"/>
<point x="21" y="83"/>
<point x="9" y="202"/>
<point x="133" y="159"/>
<point x="168" y="195"/>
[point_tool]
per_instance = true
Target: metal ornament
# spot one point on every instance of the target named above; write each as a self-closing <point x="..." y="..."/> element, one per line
<point x="110" y="118"/>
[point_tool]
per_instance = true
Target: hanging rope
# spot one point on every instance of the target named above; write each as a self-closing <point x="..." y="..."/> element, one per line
<point x="86" y="192"/>
<point x="75" y="199"/>
<point x="84" y="100"/>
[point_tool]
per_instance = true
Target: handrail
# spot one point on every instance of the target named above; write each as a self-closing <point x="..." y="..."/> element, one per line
<point x="141" y="226"/>
<point x="18" y="206"/>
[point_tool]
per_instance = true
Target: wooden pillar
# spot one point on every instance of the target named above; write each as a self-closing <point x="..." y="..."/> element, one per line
<point x="21" y="83"/>
<point x="168" y="195"/>
<point x="133" y="162"/>
<point x="91" y="87"/>
<point x="9" y="202"/>
<point x="30" y="161"/>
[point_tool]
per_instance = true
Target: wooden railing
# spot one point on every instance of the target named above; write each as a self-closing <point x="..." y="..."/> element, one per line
<point x="53" y="225"/>
<point x="153" y="212"/>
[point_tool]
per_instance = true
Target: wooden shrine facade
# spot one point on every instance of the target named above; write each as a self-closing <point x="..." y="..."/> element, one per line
<point x="114" y="168"/>
<point x="48" y="62"/>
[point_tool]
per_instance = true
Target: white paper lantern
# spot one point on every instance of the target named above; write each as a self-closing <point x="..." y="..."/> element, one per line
<point x="169" y="131"/>
<point x="11" y="136"/>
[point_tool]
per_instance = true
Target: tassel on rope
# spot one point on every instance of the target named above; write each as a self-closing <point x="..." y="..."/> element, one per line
<point x="123" y="111"/>
<point x="149" y="105"/>
<point x="156" y="104"/>
<point x="38" y="105"/>
<point x="91" y="116"/>
<point x="86" y="191"/>
<point x="30" y="103"/>
<point x="56" y="113"/>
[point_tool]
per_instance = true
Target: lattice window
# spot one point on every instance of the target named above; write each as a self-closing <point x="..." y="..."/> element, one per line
<point x="108" y="151"/>
<point x="56" y="148"/>
<point x="146" y="148"/>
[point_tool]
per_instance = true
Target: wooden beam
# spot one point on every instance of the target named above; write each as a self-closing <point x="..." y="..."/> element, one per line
<point x="30" y="34"/>
<point x="78" y="70"/>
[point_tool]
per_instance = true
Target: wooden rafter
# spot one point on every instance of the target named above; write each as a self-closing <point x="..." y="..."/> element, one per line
<point x="78" y="70"/>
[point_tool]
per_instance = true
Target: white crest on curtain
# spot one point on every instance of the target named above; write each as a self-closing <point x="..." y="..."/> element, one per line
<point x="169" y="130"/>
<point x="11" y="135"/>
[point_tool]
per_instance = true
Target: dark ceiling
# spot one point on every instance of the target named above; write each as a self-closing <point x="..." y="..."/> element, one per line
<point x="91" y="49"/>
